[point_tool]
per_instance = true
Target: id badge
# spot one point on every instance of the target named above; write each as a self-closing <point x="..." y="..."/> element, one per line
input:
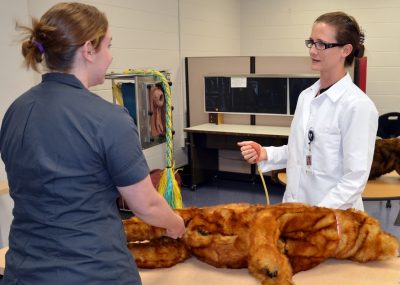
<point x="308" y="155"/>
<point x="309" y="162"/>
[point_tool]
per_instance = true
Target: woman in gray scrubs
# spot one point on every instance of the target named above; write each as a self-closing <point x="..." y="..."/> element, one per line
<point x="68" y="155"/>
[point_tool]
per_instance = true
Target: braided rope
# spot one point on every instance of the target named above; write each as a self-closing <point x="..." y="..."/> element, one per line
<point x="173" y="198"/>
<point x="168" y="107"/>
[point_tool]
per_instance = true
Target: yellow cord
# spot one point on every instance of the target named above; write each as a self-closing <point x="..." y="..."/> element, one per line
<point x="263" y="182"/>
<point x="117" y="93"/>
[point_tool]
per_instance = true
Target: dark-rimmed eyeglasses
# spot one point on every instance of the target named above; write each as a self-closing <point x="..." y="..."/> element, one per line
<point x="321" y="45"/>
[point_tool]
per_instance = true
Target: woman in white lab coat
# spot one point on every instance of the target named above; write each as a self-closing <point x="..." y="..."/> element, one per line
<point x="332" y="137"/>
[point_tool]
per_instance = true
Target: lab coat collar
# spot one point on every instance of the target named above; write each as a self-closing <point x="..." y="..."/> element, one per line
<point x="313" y="89"/>
<point x="337" y="90"/>
<point x="334" y="94"/>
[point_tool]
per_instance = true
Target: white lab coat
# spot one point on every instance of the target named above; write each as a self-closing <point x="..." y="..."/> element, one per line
<point x="344" y="121"/>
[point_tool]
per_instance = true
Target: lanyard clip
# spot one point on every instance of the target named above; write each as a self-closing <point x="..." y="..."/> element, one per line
<point x="310" y="136"/>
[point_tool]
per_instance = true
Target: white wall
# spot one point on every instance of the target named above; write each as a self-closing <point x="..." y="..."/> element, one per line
<point x="210" y="28"/>
<point x="271" y="27"/>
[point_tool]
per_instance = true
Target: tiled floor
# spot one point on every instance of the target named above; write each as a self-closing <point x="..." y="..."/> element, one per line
<point x="228" y="191"/>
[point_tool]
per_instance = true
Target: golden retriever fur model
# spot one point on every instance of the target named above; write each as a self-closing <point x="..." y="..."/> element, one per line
<point x="386" y="157"/>
<point x="273" y="242"/>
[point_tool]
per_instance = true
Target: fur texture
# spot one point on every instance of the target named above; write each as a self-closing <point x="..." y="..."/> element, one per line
<point x="273" y="242"/>
<point x="386" y="157"/>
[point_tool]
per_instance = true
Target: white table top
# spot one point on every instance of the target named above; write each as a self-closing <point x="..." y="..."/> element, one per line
<point x="330" y="272"/>
<point x="240" y="129"/>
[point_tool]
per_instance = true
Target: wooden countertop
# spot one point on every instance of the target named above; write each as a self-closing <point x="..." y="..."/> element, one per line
<point x="385" y="187"/>
<point x="3" y="187"/>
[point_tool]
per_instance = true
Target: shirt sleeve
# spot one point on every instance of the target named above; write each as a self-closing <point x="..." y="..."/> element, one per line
<point x="359" y="127"/>
<point x="277" y="158"/>
<point x="121" y="149"/>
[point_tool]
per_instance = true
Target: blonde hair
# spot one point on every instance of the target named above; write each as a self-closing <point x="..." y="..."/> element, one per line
<point x="59" y="33"/>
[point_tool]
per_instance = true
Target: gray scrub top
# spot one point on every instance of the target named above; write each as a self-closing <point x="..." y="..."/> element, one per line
<point x="65" y="150"/>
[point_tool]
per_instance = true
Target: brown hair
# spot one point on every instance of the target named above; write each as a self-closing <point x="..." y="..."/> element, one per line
<point x="60" y="32"/>
<point x="347" y="32"/>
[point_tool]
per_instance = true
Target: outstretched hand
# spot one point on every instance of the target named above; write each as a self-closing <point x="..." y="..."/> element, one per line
<point x="252" y="152"/>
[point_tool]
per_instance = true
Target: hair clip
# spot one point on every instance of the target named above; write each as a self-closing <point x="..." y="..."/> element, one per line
<point x="39" y="46"/>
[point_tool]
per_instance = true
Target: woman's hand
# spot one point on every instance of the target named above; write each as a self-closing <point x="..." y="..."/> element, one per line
<point x="178" y="231"/>
<point x="252" y="152"/>
<point x="148" y="205"/>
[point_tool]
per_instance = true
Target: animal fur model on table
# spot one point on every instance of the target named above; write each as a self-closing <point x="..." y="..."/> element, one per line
<point x="273" y="242"/>
<point x="386" y="157"/>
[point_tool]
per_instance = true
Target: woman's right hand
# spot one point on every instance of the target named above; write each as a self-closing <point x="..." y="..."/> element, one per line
<point x="178" y="230"/>
<point x="252" y="152"/>
<point x="148" y="205"/>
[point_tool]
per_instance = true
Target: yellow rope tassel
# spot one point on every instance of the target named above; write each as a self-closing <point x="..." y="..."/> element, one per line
<point x="117" y="93"/>
<point x="176" y="203"/>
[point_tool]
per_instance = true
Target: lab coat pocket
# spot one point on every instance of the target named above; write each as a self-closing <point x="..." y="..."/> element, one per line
<point x="326" y="152"/>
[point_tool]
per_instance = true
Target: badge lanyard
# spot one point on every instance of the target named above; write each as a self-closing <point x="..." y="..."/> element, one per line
<point x="311" y="137"/>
